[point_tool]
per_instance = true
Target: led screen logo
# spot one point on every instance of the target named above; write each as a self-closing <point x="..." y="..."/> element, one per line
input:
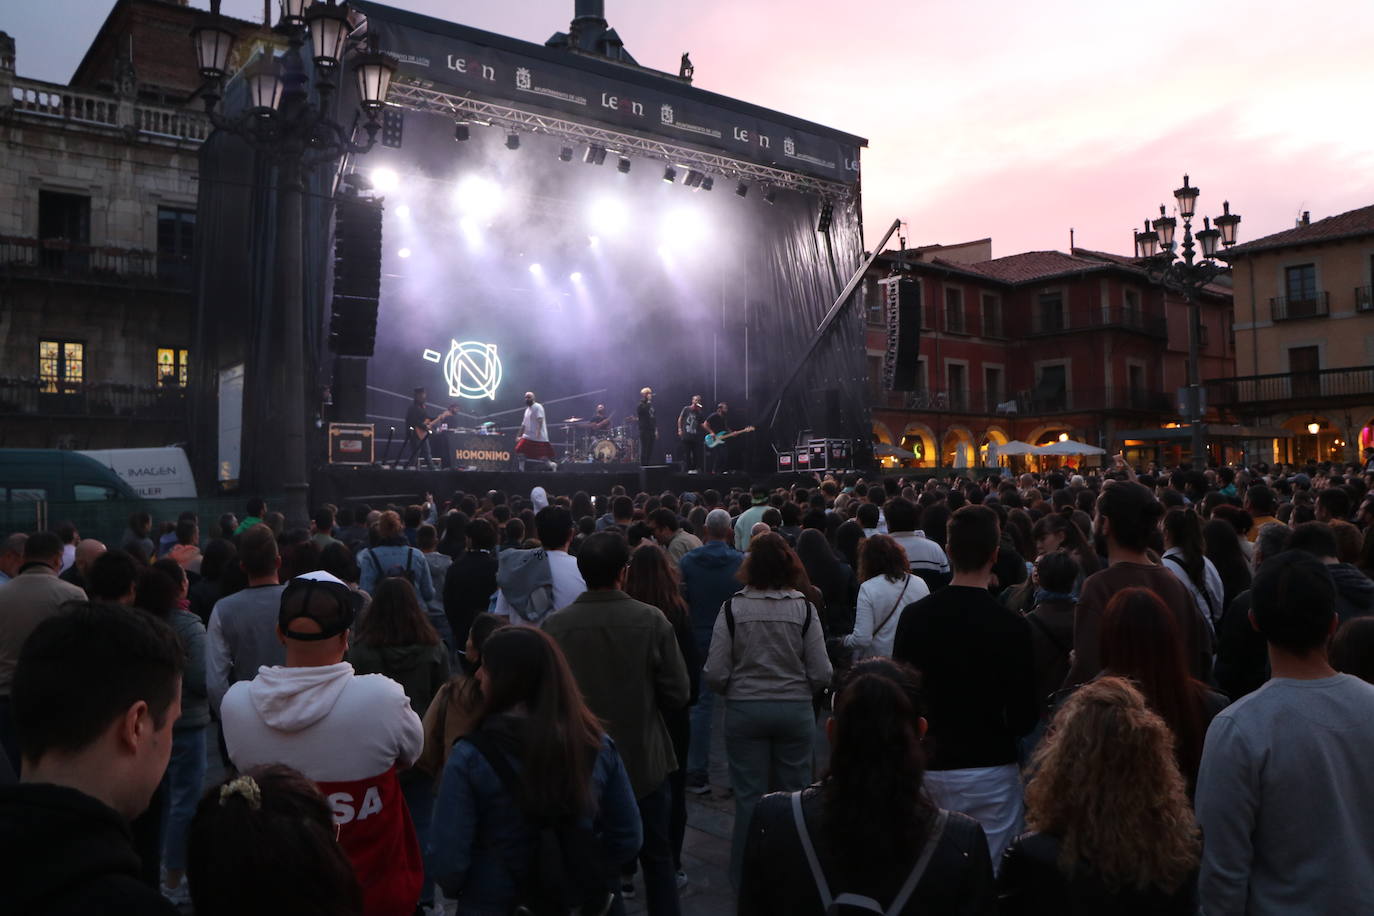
<point x="472" y="369"/>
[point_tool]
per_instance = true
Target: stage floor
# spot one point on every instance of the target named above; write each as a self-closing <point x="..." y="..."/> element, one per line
<point x="375" y="485"/>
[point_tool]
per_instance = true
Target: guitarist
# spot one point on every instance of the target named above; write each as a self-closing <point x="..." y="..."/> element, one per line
<point x="690" y="433"/>
<point x="718" y="458"/>
<point x="418" y="433"/>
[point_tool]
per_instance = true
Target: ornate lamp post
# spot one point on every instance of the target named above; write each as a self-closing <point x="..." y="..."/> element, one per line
<point x="298" y="133"/>
<point x="1178" y="272"/>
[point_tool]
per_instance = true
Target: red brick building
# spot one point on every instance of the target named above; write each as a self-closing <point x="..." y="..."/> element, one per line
<point x="1035" y="345"/>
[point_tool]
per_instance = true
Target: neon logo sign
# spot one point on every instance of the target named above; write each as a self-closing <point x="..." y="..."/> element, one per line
<point x="472" y="369"/>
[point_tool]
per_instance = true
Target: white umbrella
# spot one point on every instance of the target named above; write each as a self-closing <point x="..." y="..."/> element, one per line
<point x="883" y="450"/>
<point x="1017" y="447"/>
<point x="1071" y="447"/>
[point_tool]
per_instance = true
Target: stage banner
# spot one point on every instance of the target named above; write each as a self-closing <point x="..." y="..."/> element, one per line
<point x="498" y="69"/>
<point x="486" y="453"/>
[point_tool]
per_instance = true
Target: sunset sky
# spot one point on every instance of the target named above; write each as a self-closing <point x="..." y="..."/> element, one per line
<point x="1003" y="119"/>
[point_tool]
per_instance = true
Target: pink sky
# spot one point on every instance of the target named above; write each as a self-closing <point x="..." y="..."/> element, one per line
<point x="1003" y="119"/>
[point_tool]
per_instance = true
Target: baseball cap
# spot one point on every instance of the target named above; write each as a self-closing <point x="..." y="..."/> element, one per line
<point x="321" y="597"/>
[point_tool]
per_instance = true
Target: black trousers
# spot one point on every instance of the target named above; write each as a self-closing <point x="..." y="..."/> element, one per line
<point x="646" y="449"/>
<point x="692" y="448"/>
<point x="718" y="458"/>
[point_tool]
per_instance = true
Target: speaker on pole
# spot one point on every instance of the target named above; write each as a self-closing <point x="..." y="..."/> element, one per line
<point x="902" y="302"/>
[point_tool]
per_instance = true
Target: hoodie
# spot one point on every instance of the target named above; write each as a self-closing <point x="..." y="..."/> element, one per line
<point x="69" y="853"/>
<point x="350" y="734"/>
<point x="1354" y="591"/>
<point x="708" y="578"/>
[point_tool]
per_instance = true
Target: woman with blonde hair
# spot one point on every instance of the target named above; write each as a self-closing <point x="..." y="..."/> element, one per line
<point x="1111" y="830"/>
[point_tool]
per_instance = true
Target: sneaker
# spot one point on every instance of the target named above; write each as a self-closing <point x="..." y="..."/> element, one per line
<point x="698" y="784"/>
<point x="627" y="890"/>
<point x="681" y="879"/>
<point x="179" y="896"/>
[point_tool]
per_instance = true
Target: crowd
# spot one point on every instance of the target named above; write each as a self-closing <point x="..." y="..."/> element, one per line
<point x="1117" y="691"/>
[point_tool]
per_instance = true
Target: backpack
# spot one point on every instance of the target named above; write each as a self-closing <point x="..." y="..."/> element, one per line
<point x="525" y="578"/>
<point x="395" y="570"/>
<point x="857" y="902"/>
<point x="568" y="872"/>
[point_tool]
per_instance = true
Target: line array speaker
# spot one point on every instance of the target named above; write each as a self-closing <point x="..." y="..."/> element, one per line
<point x="357" y="277"/>
<point x="902" y="299"/>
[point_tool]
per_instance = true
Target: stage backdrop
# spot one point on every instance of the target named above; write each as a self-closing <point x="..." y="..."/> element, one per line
<point x="506" y="270"/>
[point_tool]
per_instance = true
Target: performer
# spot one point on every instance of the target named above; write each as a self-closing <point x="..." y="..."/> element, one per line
<point x="647" y="431"/>
<point x="689" y="431"/>
<point x="534" y="435"/>
<point x="600" y="420"/>
<point x="718" y="458"/>
<point x="417" y="434"/>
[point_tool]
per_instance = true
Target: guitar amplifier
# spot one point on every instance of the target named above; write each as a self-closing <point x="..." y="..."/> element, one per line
<point x="351" y="443"/>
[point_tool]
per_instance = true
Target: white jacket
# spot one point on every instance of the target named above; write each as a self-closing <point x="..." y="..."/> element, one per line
<point x="881" y="602"/>
<point x="327" y="722"/>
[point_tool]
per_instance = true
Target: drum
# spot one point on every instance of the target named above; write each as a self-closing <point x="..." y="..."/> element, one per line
<point x="619" y="432"/>
<point x="605" y="450"/>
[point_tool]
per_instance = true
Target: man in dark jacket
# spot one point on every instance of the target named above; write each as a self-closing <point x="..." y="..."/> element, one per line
<point x="96" y="693"/>
<point x="708" y="580"/>
<point x="1354" y="590"/>
<point x="630" y="671"/>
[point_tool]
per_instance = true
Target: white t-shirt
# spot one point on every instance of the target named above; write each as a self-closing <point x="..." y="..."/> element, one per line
<point x="533" y="427"/>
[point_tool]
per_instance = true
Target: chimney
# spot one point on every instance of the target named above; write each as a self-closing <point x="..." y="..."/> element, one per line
<point x="1307" y="217"/>
<point x="6" y="53"/>
<point x="592" y="10"/>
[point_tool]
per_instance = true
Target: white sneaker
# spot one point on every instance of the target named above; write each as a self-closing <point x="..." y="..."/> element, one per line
<point x="179" y="896"/>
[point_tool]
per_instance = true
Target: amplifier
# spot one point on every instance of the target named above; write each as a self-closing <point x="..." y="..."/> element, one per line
<point x="819" y="450"/>
<point x="803" y="459"/>
<point x="351" y="443"/>
<point x="785" y="462"/>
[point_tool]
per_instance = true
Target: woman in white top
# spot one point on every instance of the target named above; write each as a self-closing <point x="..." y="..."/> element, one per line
<point x="1184" y="557"/>
<point x="887" y="587"/>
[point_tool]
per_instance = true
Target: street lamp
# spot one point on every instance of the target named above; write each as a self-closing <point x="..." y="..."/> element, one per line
<point x="298" y="133"/>
<point x="1178" y="273"/>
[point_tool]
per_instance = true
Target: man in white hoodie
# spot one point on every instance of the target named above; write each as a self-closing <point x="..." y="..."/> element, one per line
<point x="350" y="734"/>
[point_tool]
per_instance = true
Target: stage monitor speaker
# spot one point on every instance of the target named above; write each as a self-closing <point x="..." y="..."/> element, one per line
<point x="902" y="301"/>
<point x="357" y="277"/>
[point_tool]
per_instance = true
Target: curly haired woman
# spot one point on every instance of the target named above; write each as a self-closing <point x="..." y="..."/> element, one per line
<point x="1111" y="828"/>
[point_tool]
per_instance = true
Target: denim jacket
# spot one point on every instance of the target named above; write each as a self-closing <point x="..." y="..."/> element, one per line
<point x="480" y="843"/>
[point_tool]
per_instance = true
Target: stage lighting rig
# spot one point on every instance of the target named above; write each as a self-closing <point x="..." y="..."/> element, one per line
<point x="742" y="189"/>
<point x="708" y="183"/>
<point x="565" y="154"/>
<point x="693" y="179"/>
<point x="512" y="141"/>
<point x="461" y="131"/>
<point x="770" y="195"/>
<point x="595" y="155"/>
<point x="623" y="166"/>
<point x="670" y="174"/>
<point x="827" y="214"/>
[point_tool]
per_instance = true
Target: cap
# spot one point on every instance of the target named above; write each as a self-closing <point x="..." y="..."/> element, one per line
<point x="320" y="597"/>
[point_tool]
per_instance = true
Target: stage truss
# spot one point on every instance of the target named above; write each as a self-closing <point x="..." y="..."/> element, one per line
<point x="421" y="96"/>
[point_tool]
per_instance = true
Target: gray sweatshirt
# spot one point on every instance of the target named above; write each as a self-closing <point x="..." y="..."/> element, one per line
<point x="242" y="638"/>
<point x="1285" y="798"/>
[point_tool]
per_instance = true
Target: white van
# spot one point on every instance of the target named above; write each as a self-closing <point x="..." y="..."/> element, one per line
<point x="153" y="473"/>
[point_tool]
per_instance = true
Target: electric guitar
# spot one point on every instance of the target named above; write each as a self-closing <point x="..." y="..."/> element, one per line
<point x="715" y="439"/>
<point x="424" y="429"/>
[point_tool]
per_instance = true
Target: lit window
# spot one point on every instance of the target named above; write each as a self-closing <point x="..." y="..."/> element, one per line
<point x="61" y="366"/>
<point x="171" y="367"/>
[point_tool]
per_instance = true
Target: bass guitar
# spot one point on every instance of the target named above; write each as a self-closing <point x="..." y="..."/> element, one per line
<point x="424" y="429"/>
<point x="717" y="439"/>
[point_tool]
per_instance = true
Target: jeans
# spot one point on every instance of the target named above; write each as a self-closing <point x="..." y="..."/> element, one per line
<point x="418" y="789"/>
<point x="705" y="751"/>
<point x="183" y="784"/>
<point x="656" y="855"/>
<point x="417" y="447"/>
<point x="769" y="746"/>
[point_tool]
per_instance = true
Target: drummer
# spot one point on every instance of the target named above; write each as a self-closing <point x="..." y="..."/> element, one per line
<point x="601" y="421"/>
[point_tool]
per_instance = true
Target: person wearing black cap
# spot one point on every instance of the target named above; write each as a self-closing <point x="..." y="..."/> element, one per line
<point x="350" y="734"/>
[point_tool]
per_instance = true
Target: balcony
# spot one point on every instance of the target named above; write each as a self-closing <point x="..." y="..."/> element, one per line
<point x="1027" y="403"/>
<point x="37" y="399"/>
<point x="1364" y="298"/>
<point x="1321" y="389"/>
<point x="1125" y="319"/>
<point x="1295" y="308"/>
<point x="59" y="104"/>
<point x="48" y="258"/>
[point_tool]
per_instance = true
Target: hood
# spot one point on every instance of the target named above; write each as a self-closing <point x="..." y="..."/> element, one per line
<point x="715" y="555"/>
<point x="38" y="819"/>
<point x="1352" y="585"/>
<point x="539" y="498"/>
<point x="400" y="660"/>
<point x="292" y="699"/>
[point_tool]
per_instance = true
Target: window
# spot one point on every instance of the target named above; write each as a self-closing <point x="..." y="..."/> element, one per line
<point x="1051" y="388"/>
<point x="61" y="366"/>
<point x="1135" y="385"/>
<point x="958" y="385"/>
<point x="1300" y="284"/>
<point x="1131" y="311"/>
<point x="1305" y="364"/>
<point x="64" y="220"/>
<point x="176" y="233"/>
<point x="992" y="315"/>
<point x="1049" y="312"/>
<point x="89" y="492"/>
<point x="954" y="310"/>
<point x="992" y="388"/>
<point x="171" y="367"/>
<point x="1202" y="334"/>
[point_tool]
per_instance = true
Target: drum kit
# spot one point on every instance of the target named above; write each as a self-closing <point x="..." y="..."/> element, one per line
<point x="608" y="445"/>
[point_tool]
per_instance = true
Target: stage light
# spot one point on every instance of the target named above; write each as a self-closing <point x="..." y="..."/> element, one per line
<point x="623" y="166"/>
<point x="683" y="227"/>
<point x="670" y="174"/>
<point x="595" y="155"/>
<point x="693" y="179"/>
<point x="770" y="195"/>
<point x="461" y="131"/>
<point x="827" y="213"/>
<point x="575" y="276"/>
<point x="403" y="211"/>
<point x="742" y="189"/>
<point x="708" y="183"/>
<point x="537" y="270"/>
<point x="512" y="141"/>
<point x="608" y="216"/>
<point x="593" y="241"/>
<point x="479" y="198"/>
<point x="403" y="253"/>
<point x="565" y="154"/>
<point x="384" y="180"/>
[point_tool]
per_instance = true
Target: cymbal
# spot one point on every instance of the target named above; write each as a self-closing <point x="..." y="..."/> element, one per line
<point x="573" y="420"/>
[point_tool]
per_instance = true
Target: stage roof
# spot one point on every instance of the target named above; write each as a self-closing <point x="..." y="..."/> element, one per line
<point x="479" y="64"/>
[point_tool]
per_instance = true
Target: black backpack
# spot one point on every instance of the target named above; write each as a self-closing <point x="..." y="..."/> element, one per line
<point x="395" y="570"/>
<point x="568" y="872"/>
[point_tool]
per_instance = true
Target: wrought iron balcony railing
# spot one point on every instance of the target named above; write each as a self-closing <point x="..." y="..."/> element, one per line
<point x="1308" y="305"/>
